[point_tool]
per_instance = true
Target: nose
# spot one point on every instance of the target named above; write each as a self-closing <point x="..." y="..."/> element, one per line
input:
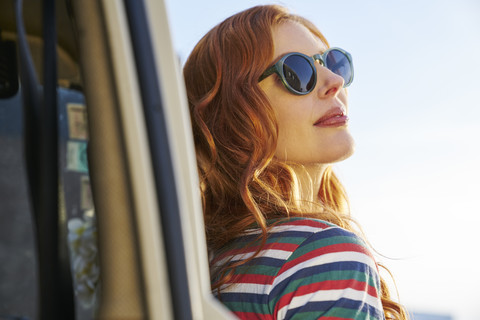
<point x="329" y="84"/>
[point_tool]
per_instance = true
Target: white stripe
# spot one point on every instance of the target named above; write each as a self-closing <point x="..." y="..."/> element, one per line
<point x="283" y="228"/>
<point x="324" y="259"/>
<point x="246" y="288"/>
<point x="269" y="253"/>
<point x="330" y="295"/>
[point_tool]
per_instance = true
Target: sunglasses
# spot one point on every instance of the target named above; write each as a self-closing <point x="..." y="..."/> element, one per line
<point x="298" y="73"/>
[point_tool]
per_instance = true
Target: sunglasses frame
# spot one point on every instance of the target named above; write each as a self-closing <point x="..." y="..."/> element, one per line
<point x="278" y="68"/>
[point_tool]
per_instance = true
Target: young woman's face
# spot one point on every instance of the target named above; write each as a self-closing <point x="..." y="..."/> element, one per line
<point x="313" y="128"/>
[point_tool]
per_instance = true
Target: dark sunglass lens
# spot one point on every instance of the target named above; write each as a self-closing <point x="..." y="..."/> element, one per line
<point x="298" y="73"/>
<point x="338" y="63"/>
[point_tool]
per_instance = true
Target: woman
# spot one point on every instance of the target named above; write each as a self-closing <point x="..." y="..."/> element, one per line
<point x="269" y="111"/>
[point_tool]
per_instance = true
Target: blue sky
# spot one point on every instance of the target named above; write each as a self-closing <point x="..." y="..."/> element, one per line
<point x="414" y="180"/>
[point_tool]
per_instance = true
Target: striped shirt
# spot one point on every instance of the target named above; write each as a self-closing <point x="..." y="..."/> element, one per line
<point x="308" y="269"/>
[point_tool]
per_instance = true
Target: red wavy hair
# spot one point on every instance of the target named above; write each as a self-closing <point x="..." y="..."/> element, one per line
<point x="235" y="133"/>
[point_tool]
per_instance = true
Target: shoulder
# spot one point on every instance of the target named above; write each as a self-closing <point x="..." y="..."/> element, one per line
<point x="316" y="238"/>
<point x="321" y="238"/>
<point x="307" y="269"/>
<point x="330" y="271"/>
<point x="320" y="242"/>
<point x="296" y="240"/>
<point x="283" y="234"/>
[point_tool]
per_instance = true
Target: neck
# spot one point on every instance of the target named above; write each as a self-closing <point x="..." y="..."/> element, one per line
<point x="309" y="181"/>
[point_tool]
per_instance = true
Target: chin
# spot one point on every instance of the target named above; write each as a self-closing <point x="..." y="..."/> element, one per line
<point x="333" y="149"/>
<point x="346" y="155"/>
<point x="337" y="154"/>
<point x="339" y="151"/>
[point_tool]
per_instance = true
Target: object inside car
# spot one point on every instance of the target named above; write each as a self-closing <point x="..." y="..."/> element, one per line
<point x="100" y="215"/>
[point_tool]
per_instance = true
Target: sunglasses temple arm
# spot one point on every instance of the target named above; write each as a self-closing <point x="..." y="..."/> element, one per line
<point x="268" y="72"/>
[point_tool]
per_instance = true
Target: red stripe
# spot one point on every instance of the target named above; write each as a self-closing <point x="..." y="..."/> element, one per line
<point x="252" y="278"/>
<point x="324" y="286"/>
<point x="334" y="248"/>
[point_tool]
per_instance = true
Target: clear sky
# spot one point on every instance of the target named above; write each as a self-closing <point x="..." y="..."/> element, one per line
<point x="414" y="181"/>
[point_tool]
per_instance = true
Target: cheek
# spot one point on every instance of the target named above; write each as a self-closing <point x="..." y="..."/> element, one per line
<point x="290" y="117"/>
<point x="343" y="96"/>
<point x="286" y="107"/>
<point x="296" y="136"/>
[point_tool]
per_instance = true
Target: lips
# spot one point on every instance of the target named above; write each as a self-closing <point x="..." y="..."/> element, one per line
<point x="334" y="117"/>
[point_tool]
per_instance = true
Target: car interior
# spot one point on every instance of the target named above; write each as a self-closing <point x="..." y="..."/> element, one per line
<point x="100" y="214"/>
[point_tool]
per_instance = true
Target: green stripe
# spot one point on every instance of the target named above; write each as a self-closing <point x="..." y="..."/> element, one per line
<point x="330" y="275"/>
<point x="335" y="312"/>
<point x="322" y="243"/>
<point x="257" y="269"/>
<point x="288" y="240"/>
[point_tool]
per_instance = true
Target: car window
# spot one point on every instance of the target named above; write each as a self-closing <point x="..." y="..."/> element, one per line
<point x="18" y="242"/>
